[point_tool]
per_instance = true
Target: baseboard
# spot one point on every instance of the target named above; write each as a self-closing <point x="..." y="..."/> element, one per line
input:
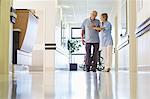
<point x="145" y="68"/>
<point x="49" y="69"/>
<point x="123" y="68"/>
<point x="40" y="69"/>
<point x="62" y="69"/>
<point x="36" y="68"/>
<point x="21" y="68"/>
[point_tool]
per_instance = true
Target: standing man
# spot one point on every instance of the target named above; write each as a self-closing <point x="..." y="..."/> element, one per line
<point x="90" y="38"/>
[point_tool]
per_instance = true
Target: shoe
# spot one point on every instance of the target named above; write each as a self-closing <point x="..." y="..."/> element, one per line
<point x="106" y="69"/>
<point x="93" y="69"/>
<point x="87" y="70"/>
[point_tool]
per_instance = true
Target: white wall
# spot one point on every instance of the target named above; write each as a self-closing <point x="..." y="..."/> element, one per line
<point x="37" y="62"/>
<point x="123" y="53"/>
<point x="61" y="54"/>
<point x="143" y="48"/>
<point x="46" y="10"/>
<point x="49" y="31"/>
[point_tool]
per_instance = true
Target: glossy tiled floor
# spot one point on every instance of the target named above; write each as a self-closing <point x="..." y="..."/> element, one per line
<point x="76" y="85"/>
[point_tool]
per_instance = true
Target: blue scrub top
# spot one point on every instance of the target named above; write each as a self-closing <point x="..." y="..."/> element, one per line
<point x="106" y="37"/>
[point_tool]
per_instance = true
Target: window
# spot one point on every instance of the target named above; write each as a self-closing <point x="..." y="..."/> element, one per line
<point x="76" y="33"/>
<point x="78" y="56"/>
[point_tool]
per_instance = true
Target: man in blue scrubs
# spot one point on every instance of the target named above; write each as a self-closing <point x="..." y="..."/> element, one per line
<point x="90" y="37"/>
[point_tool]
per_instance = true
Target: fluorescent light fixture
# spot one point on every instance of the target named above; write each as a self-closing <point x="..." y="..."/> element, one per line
<point x="65" y="6"/>
<point x="72" y="22"/>
<point x="69" y="15"/>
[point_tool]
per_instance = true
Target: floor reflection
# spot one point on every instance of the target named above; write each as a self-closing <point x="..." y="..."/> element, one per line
<point x="14" y="90"/>
<point x="4" y="88"/>
<point x="22" y="86"/>
<point x="105" y="84"/>
<point x="76" y="85"/>
<point x="92" y="86"/>
<point x="27" y="86"/>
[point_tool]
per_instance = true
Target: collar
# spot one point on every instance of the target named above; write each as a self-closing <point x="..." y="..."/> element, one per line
<point x="91" y="19"/>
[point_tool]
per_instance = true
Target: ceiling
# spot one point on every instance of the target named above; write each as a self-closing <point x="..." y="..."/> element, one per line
<point x="75" y="11"/>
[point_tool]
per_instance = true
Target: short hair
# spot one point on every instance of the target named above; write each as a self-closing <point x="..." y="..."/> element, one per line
<point x="106" y="15"/>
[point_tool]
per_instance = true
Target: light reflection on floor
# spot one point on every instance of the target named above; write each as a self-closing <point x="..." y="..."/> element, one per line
<point x="76" y="85"/>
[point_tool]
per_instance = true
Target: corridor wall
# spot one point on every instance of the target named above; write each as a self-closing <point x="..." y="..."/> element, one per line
<point x="61" y="37"/>
<point x="143" y="35"/>
<point x="122" y="41"/>
<point x="46" y="33"/>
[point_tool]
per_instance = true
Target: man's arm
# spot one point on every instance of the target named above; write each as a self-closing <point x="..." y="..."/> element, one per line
<point x="83" y="31"/>
<point x="82" y="36"/>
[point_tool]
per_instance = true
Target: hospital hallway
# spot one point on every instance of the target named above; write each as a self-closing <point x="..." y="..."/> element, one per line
<point x="45" y="49"/>
<point x="76" y="85"/>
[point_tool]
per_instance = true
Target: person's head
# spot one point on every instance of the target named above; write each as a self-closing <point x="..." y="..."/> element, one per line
<point x="93" y="14"/>
<point x="104" y="17"/>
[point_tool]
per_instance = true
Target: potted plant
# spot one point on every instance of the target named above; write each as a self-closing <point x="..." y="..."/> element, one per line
<point x="73" y="46"/>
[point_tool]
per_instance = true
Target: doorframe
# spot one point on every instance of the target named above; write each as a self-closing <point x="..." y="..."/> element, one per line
<point x="116" y="42"/>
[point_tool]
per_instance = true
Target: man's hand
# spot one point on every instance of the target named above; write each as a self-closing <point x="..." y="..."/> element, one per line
<point x="98" y="28"/>
<point x="83" y="41"/>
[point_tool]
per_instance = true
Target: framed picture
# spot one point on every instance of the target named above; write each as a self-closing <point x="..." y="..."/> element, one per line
<point x="75" y="33"/>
